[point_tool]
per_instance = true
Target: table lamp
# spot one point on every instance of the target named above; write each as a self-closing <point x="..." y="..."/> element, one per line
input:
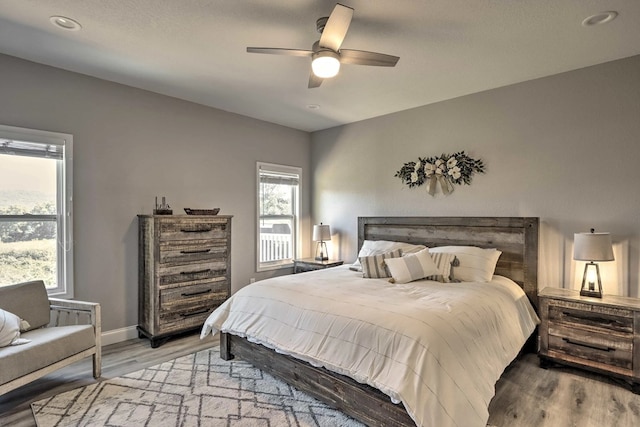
<point x="321" y="233"/>
<point x="592" y="247"/>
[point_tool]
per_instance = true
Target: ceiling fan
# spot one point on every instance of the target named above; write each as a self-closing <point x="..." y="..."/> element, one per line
<point x="326" y="55"/>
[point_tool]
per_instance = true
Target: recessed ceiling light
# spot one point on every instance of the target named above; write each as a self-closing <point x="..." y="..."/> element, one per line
<point x="600" y="18"/>
<point x="313" y="106"/>
<point x="65" y="23"/>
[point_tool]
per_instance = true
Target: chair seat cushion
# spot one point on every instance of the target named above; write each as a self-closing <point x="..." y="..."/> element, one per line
<point x="47" y="346"/>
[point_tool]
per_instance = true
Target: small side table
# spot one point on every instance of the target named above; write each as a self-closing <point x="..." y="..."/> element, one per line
<point x="311" y="264"/>
<point x="597" y="334"/>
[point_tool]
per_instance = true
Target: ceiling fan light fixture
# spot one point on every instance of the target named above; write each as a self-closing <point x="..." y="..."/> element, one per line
<point x="325" y="64"/>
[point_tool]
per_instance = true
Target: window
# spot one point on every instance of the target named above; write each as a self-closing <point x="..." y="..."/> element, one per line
<point x="278" y="215"/>
<point x="35" y="209"/>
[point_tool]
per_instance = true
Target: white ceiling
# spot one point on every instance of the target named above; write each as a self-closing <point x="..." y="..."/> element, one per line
<point x="196" y="49"/>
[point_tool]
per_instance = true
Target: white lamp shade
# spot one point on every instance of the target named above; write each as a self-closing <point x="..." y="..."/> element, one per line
<point x="592" y="247"/>
<point x="325" y="64"/>
<point x="321" y="233"/>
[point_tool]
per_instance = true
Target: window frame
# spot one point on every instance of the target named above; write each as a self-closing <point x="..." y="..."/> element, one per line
<point x="64" y="202"/>
<point x="295" y="230"/>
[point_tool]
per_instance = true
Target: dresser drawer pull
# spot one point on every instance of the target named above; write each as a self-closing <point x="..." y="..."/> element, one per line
<point x="588" y="345"/>
<point x="192" y="294"/>
<point x="195" y="313"/>
<point x="198" y="251"/>
<point x="196" y="230"/>
<point x="206" y="270"/>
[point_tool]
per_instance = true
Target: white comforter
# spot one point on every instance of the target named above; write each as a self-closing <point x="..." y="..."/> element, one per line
<point x="438" y="348"/>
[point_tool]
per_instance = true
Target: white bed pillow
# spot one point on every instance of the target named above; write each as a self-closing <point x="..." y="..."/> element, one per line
<point x="411" y="267"/>
<point x="377" y="247"/>
<point x="476" y="264"/>
<point x="443" y="261"/>
<point x="10" y="329"/>
<point x="374" y="267"/>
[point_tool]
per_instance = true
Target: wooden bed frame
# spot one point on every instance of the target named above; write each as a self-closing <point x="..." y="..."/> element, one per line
<point x="516" y="237"/>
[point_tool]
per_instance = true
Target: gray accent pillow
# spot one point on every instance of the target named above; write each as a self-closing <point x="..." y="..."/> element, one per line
<point x="374" y="266"/>
<point x="443" y="261"/>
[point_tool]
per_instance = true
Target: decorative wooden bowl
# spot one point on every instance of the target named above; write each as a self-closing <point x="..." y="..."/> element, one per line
<point x="213" y="211"/>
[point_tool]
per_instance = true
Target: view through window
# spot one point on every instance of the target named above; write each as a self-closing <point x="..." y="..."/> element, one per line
<point x="34" y="209"/>
<point x="278" y="213"/>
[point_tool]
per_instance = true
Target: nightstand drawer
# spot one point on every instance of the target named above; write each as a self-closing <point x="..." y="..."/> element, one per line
<point x="592" y="346"/>
<point x="592" y="319"/>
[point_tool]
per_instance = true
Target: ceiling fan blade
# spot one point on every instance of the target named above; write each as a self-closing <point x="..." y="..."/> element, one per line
<point x="314" y="81"/>
<point x="362" y="57"/>
<point x="336" y="27"/>
<point x="280" y="51"/>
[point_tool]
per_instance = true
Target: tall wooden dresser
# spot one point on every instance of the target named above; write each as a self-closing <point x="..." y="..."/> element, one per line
<point x="184" y="272"/>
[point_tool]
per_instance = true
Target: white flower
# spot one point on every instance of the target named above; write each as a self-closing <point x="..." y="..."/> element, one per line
<point x="417" y="168"/>
<point x="414" y="177"/>
<point x="451" y="162"/>
<point x="454" y="172"/>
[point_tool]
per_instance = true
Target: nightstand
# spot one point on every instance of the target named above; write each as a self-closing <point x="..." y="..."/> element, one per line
<point x="311" y="264"/>
<point x="597" y="334"/>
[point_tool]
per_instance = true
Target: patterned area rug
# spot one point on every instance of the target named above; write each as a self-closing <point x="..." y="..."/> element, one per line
<point x="195" y="390"/>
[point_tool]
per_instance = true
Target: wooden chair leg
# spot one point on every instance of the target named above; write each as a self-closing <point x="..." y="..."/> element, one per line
<point x="97" y="365"/>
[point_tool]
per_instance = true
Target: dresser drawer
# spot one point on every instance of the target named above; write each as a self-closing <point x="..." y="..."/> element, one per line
<point x="193" y="250"/>
<point x="191" y="229"/>
<point x="192" y="273"/>
<point x="183" y="320"/>
<point x="194" y="296"/>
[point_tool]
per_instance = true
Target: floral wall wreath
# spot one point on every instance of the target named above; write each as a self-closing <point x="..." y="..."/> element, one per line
<point x="447" y="169"/>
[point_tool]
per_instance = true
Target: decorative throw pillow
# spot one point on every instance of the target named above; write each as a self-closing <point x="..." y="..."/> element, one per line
<point x="476" y="264"/>
<point x="377" y="247"/>
<point x="374" y="267"/>
<point x="411" y="267"/>
<point x="10" y="329"/>
<point x="443" y="261"/>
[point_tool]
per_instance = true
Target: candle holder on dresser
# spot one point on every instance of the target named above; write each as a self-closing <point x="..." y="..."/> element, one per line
<point x="162" y="208"/>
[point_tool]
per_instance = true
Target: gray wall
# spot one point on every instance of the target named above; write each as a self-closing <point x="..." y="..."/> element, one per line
<point x="565" y="148"/>
<point x="131" y="145"/>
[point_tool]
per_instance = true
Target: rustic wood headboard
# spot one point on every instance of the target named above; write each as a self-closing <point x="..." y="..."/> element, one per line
<point x="516" y="237"/>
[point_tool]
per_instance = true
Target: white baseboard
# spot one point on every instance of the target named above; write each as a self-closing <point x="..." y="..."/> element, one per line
<point x="118" y="335"/>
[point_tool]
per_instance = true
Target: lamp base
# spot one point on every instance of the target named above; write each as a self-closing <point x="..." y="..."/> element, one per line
<point x="588" y="287"/>
<point x="321" y="251"/>
<point x="592" y="294"/>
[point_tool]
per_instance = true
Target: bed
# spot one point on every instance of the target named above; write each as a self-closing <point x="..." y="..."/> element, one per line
<point x="425" y="380"/>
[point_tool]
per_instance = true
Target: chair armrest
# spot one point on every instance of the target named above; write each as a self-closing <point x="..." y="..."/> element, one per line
<point x="73" y="307"/>
<point x="91" y="310"/>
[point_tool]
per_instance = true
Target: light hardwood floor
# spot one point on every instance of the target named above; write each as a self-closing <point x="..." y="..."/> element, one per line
<point x="526" y="395"/>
